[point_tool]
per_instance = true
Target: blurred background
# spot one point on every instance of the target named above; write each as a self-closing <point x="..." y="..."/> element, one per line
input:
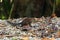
<point x="28" y="8"/>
